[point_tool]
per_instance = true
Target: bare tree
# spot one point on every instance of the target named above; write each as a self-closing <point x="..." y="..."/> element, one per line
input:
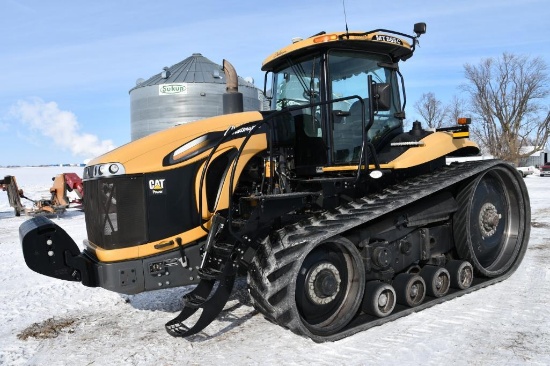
<point x="456" y="109"/>
<point x="506" y="94"/>
<point x="431" y="109"/>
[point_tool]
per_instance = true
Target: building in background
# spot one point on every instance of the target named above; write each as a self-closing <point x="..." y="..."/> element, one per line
<point x="537" y="159"/>
<point x="188" y="91"/>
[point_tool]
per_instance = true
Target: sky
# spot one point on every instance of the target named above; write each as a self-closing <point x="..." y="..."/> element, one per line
<point x="67" y="67"/>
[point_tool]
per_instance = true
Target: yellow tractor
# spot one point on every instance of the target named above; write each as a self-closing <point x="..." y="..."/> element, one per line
<point x="340" y="219"/>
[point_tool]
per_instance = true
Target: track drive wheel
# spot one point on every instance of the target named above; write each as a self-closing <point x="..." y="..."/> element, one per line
<point x="314" y="290"/>
<point x="410" y="289"/>
<point x="438" y="280"/>
<point x="492" y="224"/>
<point x="379" y="299"/>
<point x="462" y="274"/>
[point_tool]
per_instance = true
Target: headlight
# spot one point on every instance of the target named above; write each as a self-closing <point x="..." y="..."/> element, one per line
<point x="103" y="170"/>
<point x="113" y="168"/>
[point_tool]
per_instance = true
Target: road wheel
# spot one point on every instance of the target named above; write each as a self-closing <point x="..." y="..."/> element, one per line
<point x="492" y="224"/>
<point x="410" y="289"/>
<point x="462" y="274"/>
<point x="438" y="280"/>
<point x="379" y="299"/>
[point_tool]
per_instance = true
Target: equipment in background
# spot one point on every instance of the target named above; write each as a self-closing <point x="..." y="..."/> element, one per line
<point x="9" y="185"/>
<point x="73" y="183"/>
<point x="54" y="204"/>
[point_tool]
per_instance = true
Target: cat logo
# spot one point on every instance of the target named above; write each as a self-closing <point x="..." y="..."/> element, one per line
<point x="156" y="186"/>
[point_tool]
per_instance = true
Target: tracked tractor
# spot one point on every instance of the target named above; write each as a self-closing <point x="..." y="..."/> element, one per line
<point x="340" y="219"/>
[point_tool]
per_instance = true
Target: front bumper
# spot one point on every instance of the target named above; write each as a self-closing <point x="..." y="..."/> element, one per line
<point x="50" y="251"/>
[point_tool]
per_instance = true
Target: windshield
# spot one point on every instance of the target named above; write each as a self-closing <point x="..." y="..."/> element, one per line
<point x="298" y="84"/>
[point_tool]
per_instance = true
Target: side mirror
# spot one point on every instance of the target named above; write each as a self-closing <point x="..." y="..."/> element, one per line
<point x="268" y="94"/>
<point x="381" y="96"/>
<point x="419" y="28"/>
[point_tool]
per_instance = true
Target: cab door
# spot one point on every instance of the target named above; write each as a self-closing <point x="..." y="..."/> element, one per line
<point x="349" y="73"/>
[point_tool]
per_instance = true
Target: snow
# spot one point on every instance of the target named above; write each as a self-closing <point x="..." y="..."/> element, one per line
<point x="507" y="323"/>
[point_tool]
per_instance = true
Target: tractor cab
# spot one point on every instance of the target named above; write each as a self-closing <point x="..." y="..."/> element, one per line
<point x="343" y="93"/>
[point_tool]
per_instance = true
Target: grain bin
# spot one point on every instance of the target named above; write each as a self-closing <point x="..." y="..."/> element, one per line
<point x="187" y="91"/>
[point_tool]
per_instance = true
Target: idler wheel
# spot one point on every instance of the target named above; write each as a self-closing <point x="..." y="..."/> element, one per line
<point x="330" y="285"/>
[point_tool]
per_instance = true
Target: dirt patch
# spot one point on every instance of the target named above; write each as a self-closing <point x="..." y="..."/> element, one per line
<point x="545" y="246"/>
<point x="540" y="224"/>
<point x="49" y="328"/>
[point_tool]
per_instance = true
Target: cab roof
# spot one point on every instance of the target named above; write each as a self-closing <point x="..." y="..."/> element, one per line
<point x="376" y="41"/>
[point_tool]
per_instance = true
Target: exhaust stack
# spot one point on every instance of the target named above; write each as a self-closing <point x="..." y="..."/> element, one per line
<point x="232" y="99"/>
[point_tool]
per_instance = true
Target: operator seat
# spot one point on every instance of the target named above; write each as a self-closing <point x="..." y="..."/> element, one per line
<point x="354" y="117"/>
<point x="348" y="136"/>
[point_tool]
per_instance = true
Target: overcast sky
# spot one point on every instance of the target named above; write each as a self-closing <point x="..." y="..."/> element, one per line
<point x="66" y="66"/>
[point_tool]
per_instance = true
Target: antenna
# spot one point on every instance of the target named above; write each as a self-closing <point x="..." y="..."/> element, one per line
<point x="345" y="17"/>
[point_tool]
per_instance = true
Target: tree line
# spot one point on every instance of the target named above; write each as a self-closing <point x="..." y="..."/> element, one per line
<point x="506" y="99"/>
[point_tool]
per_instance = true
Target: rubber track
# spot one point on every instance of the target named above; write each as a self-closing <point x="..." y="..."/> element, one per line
<point x="272" y="272"/>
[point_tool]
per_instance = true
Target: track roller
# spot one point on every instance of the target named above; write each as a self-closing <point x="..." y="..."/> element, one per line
<point x="462" y="274"/>
<point x="379" y="299"/>
<point x="410" y="289"/>
<point x="438" y="280"/>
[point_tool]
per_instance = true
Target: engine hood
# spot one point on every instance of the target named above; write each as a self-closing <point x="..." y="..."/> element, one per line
<point x="147" y="154"/>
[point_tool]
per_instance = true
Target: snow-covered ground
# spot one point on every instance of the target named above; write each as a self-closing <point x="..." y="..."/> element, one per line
<point x="507" y="323"/>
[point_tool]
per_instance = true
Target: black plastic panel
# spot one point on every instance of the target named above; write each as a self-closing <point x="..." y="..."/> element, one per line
<point x="115" y="211"/>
